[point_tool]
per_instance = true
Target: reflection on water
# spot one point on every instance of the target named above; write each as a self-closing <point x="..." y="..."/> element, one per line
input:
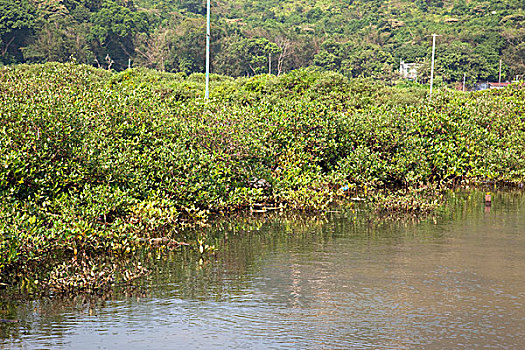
<point x="333" y="281"/>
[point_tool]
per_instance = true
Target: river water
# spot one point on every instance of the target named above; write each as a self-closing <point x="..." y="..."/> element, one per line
<point x="344" y="280"/>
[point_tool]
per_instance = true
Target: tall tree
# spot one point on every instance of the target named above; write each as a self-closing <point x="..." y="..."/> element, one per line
<point x="17" y="18"/>
<point x="113" y="29"/>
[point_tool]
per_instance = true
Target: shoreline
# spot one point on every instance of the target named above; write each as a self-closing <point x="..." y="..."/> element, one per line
<point x="72" y="274"/>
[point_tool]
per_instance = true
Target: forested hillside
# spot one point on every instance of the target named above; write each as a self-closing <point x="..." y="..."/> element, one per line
<point x="356" y="38"/>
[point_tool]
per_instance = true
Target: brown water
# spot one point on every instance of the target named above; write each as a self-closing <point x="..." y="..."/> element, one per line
<point x="456" y="281"/>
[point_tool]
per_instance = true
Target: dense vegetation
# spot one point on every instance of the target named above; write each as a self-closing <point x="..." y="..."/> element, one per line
<point x="356" y="38"/>
<point x="93" y="161"/>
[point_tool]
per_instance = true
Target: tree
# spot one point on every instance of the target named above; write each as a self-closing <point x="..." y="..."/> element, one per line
<point x="189" y="46"/>
<point x="253" y="54"/>
<point x="285" y="46"/>
<point x="16" y="22"/>
<point x="353" y="60"/>
<point x="114" y="27"/>
<point x="155" y="50"/>
<point x="58" y="36"/>
<point x="514" y="53"/>
<point x="59" y="41"/>
<point x="458" y="58"/>
<point x="370" y="61"/>
<point x="331" y="55"/>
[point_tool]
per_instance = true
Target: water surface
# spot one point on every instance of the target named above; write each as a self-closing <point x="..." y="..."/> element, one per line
<point x="336" y="281"/>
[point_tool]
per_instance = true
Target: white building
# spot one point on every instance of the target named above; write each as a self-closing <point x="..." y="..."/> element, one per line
<point x="408" y="70"/>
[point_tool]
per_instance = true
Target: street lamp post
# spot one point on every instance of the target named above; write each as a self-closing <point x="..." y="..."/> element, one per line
<point x="499" y="79"/>
<point x="207" y="93"/>
<point x="432" y="64"/>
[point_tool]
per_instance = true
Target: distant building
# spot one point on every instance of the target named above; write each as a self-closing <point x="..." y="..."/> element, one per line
<point x="487" y="85"/>
<point x="498" y="85"/>
<point x="408" y="70"/>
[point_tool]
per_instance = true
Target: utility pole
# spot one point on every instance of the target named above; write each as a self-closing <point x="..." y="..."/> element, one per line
<point x="464" y="76"/>
<point x="499" y="79"/>
<point x="207" y="93"/>
<point x="432" y="65"/>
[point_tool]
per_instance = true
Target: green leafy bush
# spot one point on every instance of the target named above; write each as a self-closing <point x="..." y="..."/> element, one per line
<point x="97" y="162"/>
